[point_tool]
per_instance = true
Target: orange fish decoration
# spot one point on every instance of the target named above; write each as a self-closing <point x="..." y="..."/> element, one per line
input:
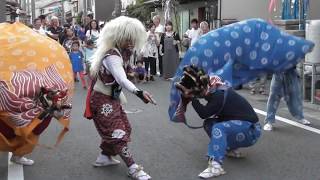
<point x="36" y="85"/>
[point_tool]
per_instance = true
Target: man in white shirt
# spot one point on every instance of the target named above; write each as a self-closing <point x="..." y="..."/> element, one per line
<point x="159" y="31"/>
<point x="159" y="27"/>
<point x="194" y="33"/>
<point x="37" y="27"/>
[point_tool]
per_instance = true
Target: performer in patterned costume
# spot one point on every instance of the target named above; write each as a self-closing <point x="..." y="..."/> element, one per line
<point x="230" y="121"/>
<point x="237" y="54"/>
<point x="35" y="86"/>
<point x="109" y="69"/>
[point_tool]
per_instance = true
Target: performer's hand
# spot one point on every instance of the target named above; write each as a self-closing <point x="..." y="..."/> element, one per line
<point x="148" y="96"/>
<point x="145" y="97"/>
<point x="187" y="95"/>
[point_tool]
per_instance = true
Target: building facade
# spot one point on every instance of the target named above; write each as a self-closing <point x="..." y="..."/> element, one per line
<point x="126" y="3"/>
<point x="13" y="11"/>
<point x="66" y="11"/>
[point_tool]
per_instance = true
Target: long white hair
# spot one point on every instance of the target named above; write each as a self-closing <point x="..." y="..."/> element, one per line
<point x="115" y="32"/>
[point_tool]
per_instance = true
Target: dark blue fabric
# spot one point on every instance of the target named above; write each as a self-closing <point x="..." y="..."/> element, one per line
<point x="241" y="52"/>
<point x="140" y="70"/>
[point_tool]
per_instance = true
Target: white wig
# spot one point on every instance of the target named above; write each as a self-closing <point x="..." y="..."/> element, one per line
<point x="115" y="32"/>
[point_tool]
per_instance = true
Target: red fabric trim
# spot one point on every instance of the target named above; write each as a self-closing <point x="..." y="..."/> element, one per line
<point x="42" y="126"/>
<point x="6" y="130"/>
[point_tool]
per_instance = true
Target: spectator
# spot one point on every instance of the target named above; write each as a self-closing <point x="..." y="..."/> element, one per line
<point x="55" y="30"/>
<point x="204" y="28"/>
<point x="194" y="33"/>
<point x="76" y="58"/>
<point x="159" y="27"/>
<point x="68" y="40"/>
<point x="44" y="22"/>
<point x="87" y="21"/>
<point x="169" y="43"/>
<point x="81" y="33"/>
<point x="93" y="32"/>
<point x="150" y="52"/>
<point x="160" y="31"/>
<point x="140" y="72"/>
<point x="89" y="50"/>
<point x="63" y="35"/>
<point x="37" y="27"/>
<point x="287" y="85"/>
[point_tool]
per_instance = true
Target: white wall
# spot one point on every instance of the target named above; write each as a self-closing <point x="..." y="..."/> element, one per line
<point x="314" y="9"/>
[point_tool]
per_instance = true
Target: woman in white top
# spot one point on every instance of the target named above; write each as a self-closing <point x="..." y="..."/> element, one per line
<point x="150" y="52"/>
<point x="204" y="28"/>
<point x="93" y="32"/>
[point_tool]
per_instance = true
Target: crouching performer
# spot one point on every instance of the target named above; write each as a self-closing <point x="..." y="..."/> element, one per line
<point x="109" y="68"/>
<point x="230" y="120"/>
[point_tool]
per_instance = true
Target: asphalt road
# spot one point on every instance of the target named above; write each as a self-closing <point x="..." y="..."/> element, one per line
<point x="170" y="151"/>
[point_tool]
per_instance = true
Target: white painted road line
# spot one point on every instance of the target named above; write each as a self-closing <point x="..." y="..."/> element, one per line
<point x="293" y="123"/>
<point x="15" y="171"/>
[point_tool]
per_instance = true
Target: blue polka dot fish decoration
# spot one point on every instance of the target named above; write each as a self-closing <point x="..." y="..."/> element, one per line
<point x="239" y="53"/>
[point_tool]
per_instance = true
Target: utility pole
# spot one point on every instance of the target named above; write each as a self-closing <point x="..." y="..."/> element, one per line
<point x="62" y="12"/>
<point x="2" y="11"/>
<point x="33" y="10"/>
<point x="117" y="8"/>
<point x="23" y="4"/>
<point x="220" y="13"/>
<point x="85" y="8"/>
<point x="28" y="7"/>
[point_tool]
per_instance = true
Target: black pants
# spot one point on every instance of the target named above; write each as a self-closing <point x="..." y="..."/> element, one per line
<point x="160" y="62"/>
<point x="150" y="61"/>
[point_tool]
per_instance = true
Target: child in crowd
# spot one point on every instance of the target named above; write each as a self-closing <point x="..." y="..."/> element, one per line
<point x="140" y="72"/>
<point x="69" y="38"/>
<point x="76" y="58"/>
<point x="88" y="50"/>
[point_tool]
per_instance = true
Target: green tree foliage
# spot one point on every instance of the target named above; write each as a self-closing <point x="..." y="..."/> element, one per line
<point x="140" y="11"/>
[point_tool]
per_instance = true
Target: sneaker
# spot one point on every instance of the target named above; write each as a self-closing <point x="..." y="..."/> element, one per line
<point x="103" y="160"/>
<point x="252" y="92"/>
<point x="151" y="78"/>
<point x="214" y="169"/>
<point x="267" y="127"/>
<point x="304" y="122"/>
<point x="136" y="172"/>
<point x="235" y="154"/>
<point x="21" y="160"/>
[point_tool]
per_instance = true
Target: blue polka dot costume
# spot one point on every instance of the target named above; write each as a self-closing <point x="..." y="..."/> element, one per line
<point x="241" y="52"/>
<point x="230" y="135"/>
